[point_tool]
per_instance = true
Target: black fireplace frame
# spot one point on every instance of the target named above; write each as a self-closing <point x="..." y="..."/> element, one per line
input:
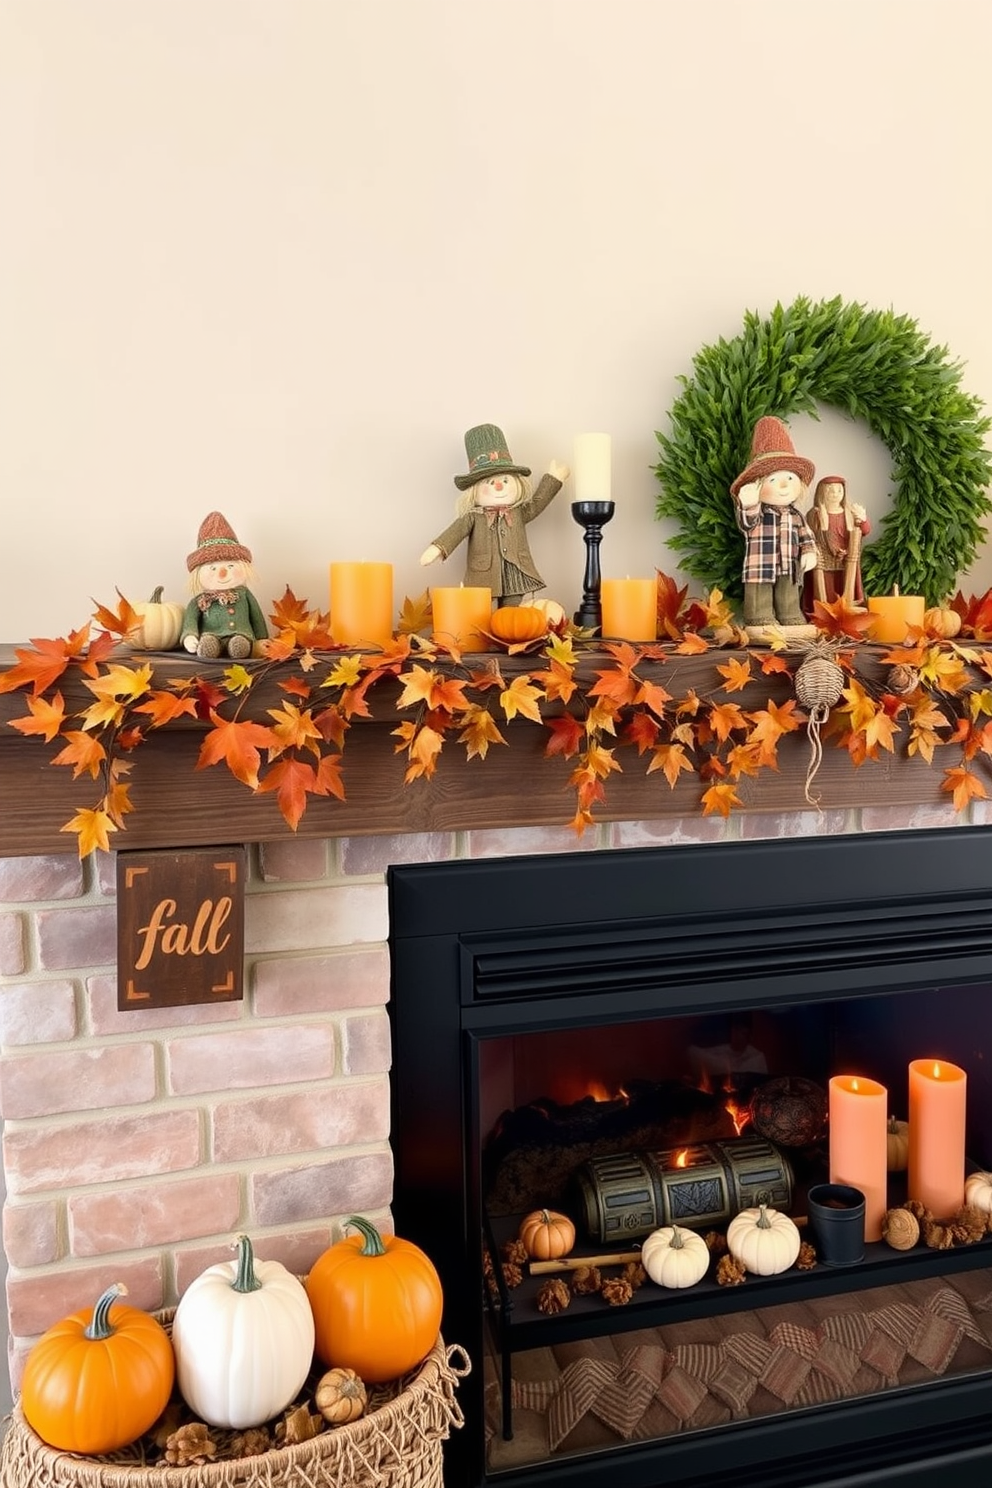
<point x="482" y="948"/>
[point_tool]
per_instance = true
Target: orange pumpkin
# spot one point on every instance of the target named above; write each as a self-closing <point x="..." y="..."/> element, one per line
<point x="546" y="1234"/>
<point x="377" y="1303"/>
<point x="98" y="1380"/>
<point x="516" y="623"/>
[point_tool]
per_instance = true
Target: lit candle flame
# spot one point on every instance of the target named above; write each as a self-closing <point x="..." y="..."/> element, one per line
<point x="682" y="1158"/>
<point x="936" y="1071"/>
<point x="854" y="1084"/>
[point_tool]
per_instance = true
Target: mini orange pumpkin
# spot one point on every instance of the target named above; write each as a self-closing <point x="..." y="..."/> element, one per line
<point x="546" y="1234"/>
<point x="897" y="1145"/>
<point x="516" y="623"/>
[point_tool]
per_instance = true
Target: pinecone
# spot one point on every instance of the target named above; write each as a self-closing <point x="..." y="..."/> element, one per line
<point x="553" y="1297"/>
<point x="806" y="1259"/>
<point x="514" y="1251"/>
<point x="634" y="1273"/>
<point x="251" y="1443"/>
<point x="730" y="1272"/>
<point x="513" y="1275"/>
<point x="716" y="1242"/>
<point x="586" y="1279"/>
<point x="616" y="1291"/>
<point x="969" y="1225"/>
<point x="190" y="1446"/>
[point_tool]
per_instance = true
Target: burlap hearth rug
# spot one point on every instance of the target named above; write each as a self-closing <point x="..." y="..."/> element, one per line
<point x="651" y="1383"/>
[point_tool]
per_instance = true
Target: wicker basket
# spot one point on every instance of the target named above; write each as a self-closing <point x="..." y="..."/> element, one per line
<point x="397" y="1444"/>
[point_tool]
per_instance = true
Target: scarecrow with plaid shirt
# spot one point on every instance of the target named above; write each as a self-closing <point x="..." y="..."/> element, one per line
<point x="780" y="546"/>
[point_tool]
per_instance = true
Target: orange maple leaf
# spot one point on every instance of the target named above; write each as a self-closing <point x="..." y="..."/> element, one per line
<point x="328" y="780"/>
<point x="750" y="758"/>
<point x="237" y="746"/>
<point x="293" y="728"/>
<point x="291" y="778"/>
<point x="478" y="731"/>
<point x="163" y="707"/>
<point x="693" y="645"/>
<point x="964" y="786"/>
<point x="860" y="708"/>
<point x="737" y="673"/>
<point x="724" y="718"/>
<point x="123" y="621"/>
<point x="417" y="616"/>
<point x="672" y="760"/>
<point x="44" y="717"/>
<point x="881" y="730"/>
<point x="770" y="724"/>
<point x="423" y="750"/>
<point x="567" y="736"/>
<point x="838" y="618"/>
<point x="602" y="717"/>
<point x="652" y="695"/>
<point x="558" y="682"/>
<point x="44" y="662"/>
<point x="720" y="799"/>
<point x="770" y="662"/>
<point x="92" y="829"/>
<point x="118" y="802"/>
<point x="83" y="752"/>
<point x="332" y="725"/>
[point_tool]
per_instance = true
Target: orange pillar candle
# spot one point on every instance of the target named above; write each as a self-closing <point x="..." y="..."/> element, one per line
<point x="858" y="1148"/>
<point x="458" y="616"/>
<point x="362" y="603"/>
<point x="937" y="1105"/>
<point x="630" y="608"/>
<point x="893" y="615"/>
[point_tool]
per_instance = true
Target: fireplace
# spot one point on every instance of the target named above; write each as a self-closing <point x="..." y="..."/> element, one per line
<point x="509" y="976"/>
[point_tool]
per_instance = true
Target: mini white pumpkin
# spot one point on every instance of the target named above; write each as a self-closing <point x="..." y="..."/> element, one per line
<point x="243" y="1336"/>
<point x="674" y="1257"/>
<point x="161" y="623"/>
<point x="978" y="1191"/>
<point x="764" y="1240"/>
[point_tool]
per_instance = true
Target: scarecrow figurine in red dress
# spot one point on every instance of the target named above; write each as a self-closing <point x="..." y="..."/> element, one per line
<point x="492" y="514"/>
<point x="780" y="547"/>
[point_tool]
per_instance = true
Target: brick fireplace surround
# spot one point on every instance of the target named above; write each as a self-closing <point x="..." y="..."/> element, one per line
<point x="136" y="1144"/>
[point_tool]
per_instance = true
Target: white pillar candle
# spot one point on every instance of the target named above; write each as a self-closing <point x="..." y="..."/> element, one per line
<point x="591" y="467"/>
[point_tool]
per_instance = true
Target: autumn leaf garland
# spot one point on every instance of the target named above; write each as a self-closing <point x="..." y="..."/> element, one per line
<point x="591" y="700"/>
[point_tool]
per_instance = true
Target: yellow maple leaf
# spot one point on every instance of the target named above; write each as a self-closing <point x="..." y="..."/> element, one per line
<point x="423" y="752"/>
<point x="237" y="679"/>
<point x="602" y="716"/>
<point x="416" y="614"/>
<point x="522" y="698"/>
<point x="346" y="672"/>
<point x="560" y="649"/>
<point x="980" y="702"/>
<point x="121" y="682"/>
<point x="720" y="799"/>
<point x="943" y="669"/>
<point x="92" y="829"/>
<point x="860" y="708"/>
<point x="418" y="685"/>
<point x="107" y="713"/>
<point x="881" y="730"/>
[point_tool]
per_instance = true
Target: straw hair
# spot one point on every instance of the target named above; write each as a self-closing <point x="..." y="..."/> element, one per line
<point x="397" y="1444"/>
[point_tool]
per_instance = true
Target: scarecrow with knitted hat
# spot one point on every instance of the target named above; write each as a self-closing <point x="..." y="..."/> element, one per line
<point x="223" y="617"/>
<point x="492" y="515"/>
<point x="780" y="547"/>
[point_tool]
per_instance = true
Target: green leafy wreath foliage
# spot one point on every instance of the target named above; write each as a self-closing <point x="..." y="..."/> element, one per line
<point x="877" y="367"/>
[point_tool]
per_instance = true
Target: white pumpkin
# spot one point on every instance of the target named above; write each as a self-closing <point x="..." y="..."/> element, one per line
<point x="243" y="1336"/>
<point x="161" y="623"/>
<point x="764" y="1240"/>
<point x="552" y="611"/>
<point x="674" y="1257"/>
<point x="978" y="1191"/>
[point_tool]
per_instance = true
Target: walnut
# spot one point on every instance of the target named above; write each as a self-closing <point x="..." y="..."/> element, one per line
<point x="251" y="1443"/>
<point x="514" y="1251"/>
<point x="635" y="1273"/>
<point x="586" y="1279"/>
<point x="554" y="1296"/>
<point x="806" y="1259"/>
<point x="730" y="1272"/>
<point x="190" y="1446"/>
<point x="716" y="1242"/>
<point x="903" y="680"/>
<point x="512" y="1274"/>
<point x="969" y="1224"/>
<point x="616" y="1291"/>
<point x="298" y="1426"/>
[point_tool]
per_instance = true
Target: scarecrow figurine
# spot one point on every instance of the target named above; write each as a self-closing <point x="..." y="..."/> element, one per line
<point x="223" y="617"/>
<point x="780" y="547"/>
<point x="838" y="526"/>
<point x="493" y="513"/>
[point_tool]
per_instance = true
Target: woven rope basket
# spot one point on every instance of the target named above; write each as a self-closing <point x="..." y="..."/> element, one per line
<point x="396" y="1444"/>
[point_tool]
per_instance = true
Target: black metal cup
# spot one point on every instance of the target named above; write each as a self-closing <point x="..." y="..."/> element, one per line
<point x="837" y="1223"/>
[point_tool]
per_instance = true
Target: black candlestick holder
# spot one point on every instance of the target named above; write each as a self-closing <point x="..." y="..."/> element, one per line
<point x="593" y="517"/>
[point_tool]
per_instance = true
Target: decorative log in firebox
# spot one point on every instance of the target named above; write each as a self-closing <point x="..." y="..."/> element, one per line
<point x="625" y="1196"/>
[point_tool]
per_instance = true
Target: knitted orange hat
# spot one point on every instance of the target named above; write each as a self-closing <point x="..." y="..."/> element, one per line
<point x="772" y="449"/>
<point x="216" y="541"/>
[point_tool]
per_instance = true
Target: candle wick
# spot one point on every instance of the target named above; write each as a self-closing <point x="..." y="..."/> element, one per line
<point x="895" y="591"/>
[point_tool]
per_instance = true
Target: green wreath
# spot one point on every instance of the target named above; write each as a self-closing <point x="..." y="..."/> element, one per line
<point x="876" y="366"/>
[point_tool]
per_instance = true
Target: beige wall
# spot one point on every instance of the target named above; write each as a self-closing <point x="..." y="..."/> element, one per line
<point x="275" y="256"/>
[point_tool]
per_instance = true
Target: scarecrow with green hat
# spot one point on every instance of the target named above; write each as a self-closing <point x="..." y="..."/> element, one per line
<point x="492" y="515"/>
<point x="223" y="617"/>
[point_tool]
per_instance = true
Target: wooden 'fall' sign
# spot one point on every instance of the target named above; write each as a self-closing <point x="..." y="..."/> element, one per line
<point x="180" y="927"/>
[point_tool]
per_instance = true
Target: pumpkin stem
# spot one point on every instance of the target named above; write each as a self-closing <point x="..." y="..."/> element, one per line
<point x="98" y="1328"/>
<point x="677" y="1242"/>
<point x="372" y="1244"/>
<point x="245" y="1279"/>
<point x="157" y="594"/>
<point x="763" y="1222"/>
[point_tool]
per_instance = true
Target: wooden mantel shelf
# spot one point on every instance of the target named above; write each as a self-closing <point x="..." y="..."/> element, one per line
<point x="176" y="805"/>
